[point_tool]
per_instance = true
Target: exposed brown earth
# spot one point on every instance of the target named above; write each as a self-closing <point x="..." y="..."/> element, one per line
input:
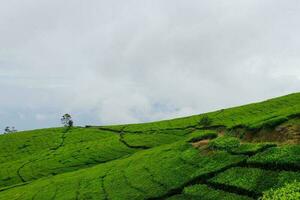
<point x="200" y="143"/>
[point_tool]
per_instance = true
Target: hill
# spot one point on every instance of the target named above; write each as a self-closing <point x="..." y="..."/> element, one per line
<point x="237" y="153"/>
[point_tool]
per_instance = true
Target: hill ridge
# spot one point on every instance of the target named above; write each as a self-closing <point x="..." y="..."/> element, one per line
<point x="158" y="160"/>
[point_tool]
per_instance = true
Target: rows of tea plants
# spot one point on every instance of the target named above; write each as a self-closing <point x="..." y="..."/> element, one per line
<point x="202" y="135"/>
<point x="287" y="157"/>
<point x="204" y="192"/>
<point x="290" y="191"/>
<point x="145" y="174"/>
<point x="69" y="151"/>
<point x="253" y="116"/>
<point x="251" y="148"/>
<point x="108" y="163"/>
<point x="253" y="179"/>
<point x="249" y="182"/>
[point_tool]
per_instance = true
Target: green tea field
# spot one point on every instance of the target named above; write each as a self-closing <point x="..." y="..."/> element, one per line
<point x="247" y="152"/>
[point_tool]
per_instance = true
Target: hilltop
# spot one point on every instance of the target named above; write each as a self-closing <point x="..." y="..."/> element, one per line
<point x="237" y="153"/>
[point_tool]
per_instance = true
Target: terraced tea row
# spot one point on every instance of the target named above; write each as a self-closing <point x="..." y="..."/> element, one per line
<point x="229" y="157"/>
<point x="148" y="174"/>
<point x="245" y="180"/>
<point x="204" y="192"/>
<point x="78" y="149"/>
<point x="253" y="116"/>
<point x="252" y="181"/>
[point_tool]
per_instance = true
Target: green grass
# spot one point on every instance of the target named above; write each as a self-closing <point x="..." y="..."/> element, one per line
<point x="152" y="160"/>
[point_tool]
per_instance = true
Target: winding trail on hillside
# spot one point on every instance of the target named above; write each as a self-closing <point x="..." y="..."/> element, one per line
<point x="19" y="171"/>
<point x="63" y="136"/>
<point x="103" y="188"/>
<point x="196" y="127"/>
<point x="78" y="190"/>
<point x="122" y="140"/>
<point x="152" y="178"/>
<point x="106" y="195"/>
<point x="121" y="134"/>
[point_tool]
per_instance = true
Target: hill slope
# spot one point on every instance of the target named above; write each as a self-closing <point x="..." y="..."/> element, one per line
<point x="235" y="153"/>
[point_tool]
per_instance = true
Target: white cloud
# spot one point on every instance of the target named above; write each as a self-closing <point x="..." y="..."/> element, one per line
<point x="123" y="62"/>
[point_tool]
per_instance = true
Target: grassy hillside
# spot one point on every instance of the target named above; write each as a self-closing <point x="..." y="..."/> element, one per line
<point x="237" y="153"/>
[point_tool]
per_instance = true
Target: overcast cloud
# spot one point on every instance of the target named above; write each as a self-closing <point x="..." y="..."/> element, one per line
<point x="109" y="62"/>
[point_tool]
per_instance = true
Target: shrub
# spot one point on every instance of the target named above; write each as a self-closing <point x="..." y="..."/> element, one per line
<point x="202" y="135"/>
<point x="224" y="143"/>
<point x="290" y="191"/>
<point x="286" y="157"/>
<point x="251" y="148"/>
<point x="66" y="120"/>
<point x="253" y="179"/>
<point x="205" y="121"/>
<point x="270" y="123"/>
<point x="204" y="192"/>
<point x="9" y="130"/>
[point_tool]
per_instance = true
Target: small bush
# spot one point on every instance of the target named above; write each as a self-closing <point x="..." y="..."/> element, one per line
<point x="202" y="135"/>
<point x="224" y="143"/>
<point x="287" y="157"/>
<point x="254" y="180"/>
<point x="205" y="121"/>
<point x="251" y="148"/>
<point x="270" y="123"/>
<point x="204" y="192"/>
<point x="290" y="191"/>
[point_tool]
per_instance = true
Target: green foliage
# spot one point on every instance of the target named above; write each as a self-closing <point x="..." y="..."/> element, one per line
<point x="75" y="151"/>
<point x="253" y="179"/>
<point x="23" y="144"/>
<point x="251" y="148"/>
<point x="290" y="191"/>
<point x="286" y="156"/>
<point x="10" y="130"/>
<point x="204" y="192"/>
<point x="66" y="120"/>
<point x="102" y="163"/>
<point x="54" y="151"/>
<point x="202" y="135"/>
<point x="145" y="174"/>
<point x="205" y="121"/>
<point x="268" y="123"/>
<point x="150" y="140"/>
<point x="252" y="115"/>
<point x="224" y="143"/>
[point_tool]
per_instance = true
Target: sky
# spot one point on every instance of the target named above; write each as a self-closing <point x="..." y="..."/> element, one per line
<point x="116" y="62"/>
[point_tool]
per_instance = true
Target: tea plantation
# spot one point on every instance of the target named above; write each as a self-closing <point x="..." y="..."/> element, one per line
<point x="247" y="152"/>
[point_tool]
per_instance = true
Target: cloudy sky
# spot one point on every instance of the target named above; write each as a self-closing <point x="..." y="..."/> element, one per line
<point x="110" y="62"/>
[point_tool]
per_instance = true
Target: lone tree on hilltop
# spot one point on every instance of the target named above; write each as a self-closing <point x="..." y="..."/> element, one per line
<point x="13" y="129"/>
<point x="9" y="130"/>
<point x="66" y="120"/>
